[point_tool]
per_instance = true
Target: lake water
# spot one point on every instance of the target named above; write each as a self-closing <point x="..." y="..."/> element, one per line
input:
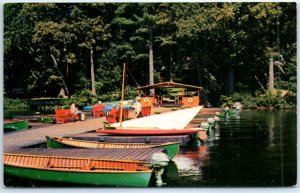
<point x="256" y="150"/>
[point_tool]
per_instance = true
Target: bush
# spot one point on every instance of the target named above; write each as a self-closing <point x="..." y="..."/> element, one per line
<point x="15" y="104"/>
<point x="247" y="99"/>
<point x="260" y="99"/>
<point x="271" y="100"/>
<point x="82" y="98"/>
<point x="85" y="97"/>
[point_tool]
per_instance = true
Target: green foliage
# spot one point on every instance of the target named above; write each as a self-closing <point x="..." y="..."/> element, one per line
<point x="82" y="98"/>
<point x="226" y="101"/>
<point x="271" y="100"/>
<point x="15" y="104"/>
<point x="247" y="99"/>
<point x="193" y="43"/>
<point x="265" y="99"/>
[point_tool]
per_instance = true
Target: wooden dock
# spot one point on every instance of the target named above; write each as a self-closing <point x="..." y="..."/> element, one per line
<point x="37" y="135"/>
<point x="20" y="142"/>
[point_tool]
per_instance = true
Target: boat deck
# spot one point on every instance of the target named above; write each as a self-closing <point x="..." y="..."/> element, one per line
<point x="92" y="136"/>
<point x="141" y="154"/>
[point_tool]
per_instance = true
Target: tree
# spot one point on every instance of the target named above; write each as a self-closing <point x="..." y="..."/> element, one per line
<point x="223" y="47"/>
<point x="91" y="32"/>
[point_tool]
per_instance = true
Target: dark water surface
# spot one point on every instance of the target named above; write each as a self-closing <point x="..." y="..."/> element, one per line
<point x="256" y="150"/>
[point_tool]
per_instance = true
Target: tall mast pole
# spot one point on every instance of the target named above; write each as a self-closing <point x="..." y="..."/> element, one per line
<point x="122" y="96"/>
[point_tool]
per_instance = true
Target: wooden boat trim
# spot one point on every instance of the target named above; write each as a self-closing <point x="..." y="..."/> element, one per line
<point x="95" y="144"/>
<point x="74" y="164"/>
<point x="77" y="158"/>
<point x="148" y="132"/>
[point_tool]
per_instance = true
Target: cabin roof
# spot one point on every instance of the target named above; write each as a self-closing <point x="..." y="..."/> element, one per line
<point x="169" y="85"/>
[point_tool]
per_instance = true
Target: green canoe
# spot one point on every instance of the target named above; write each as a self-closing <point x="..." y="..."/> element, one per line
<point x="78" y="170"/>
<point x="172" y="148"/>
<point x="15" y="125"/>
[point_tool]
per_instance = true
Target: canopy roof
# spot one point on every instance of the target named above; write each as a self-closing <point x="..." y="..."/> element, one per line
<point x="169" y="85"/>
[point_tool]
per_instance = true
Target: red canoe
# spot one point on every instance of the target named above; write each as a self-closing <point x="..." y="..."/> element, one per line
<point x="147" y="132"/>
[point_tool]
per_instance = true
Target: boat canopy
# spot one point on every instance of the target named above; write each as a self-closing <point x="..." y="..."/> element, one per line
<point x="169" y="85"/>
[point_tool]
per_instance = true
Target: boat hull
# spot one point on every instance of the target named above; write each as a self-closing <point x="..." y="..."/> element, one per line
<point x="148" y="132"/>
<point x="172" y="149"/>
<point x="89" y="171"/>
<point x="126" y="179"/>
<point x="15" y="125"/>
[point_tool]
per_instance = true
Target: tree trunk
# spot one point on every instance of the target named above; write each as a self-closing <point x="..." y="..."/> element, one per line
<point x="61" y="75"/>
<point x="199" y="67"/>
<point x="151" y="62"/>
<point x="230" y="80"/>
<point x="93" y="72"/>
<point x="171" y="63"/>
<point x="271" y="75"/>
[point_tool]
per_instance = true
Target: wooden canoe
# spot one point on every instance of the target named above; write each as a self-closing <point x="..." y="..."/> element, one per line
<point x="172" y="148"/>
<point x="196" y="132"/>
<point x="86" y="171"/>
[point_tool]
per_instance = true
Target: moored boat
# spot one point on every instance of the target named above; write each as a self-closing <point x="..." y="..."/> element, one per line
<point x="171" y="120"/>
<point x="172" y="148"/>
<point x="15" y="125"/>
<point x="150" y="131"/>
<point x="89" y="171"/>
<point x="228" y="114"/>
<point x="196" y="132"/>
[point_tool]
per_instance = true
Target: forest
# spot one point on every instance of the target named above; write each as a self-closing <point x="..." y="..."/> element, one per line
<point x="230" y="49"/>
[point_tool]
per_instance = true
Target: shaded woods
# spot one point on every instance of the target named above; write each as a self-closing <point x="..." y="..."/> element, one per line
<point x="78" y="49"/>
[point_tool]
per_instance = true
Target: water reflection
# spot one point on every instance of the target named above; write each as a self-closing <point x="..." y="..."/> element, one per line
<point x="259" y="150"/>
<point x="186" y="168"/>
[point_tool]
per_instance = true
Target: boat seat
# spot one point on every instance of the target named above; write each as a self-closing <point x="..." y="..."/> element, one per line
<point x="65" y="115"/>
<point x="112" y="116"/>
<point x="98" y="110"/>
<point x="146" y="111"/>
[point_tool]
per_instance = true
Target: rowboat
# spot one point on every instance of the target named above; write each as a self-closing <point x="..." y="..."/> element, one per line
<point x="15" y="125"/>
<point x="182" y="139"/>
<point x="172" y="148"/>
<point x="88" y="171"/>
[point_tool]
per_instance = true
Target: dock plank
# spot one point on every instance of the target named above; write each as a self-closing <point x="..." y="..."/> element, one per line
<point x="35" y="136"/>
